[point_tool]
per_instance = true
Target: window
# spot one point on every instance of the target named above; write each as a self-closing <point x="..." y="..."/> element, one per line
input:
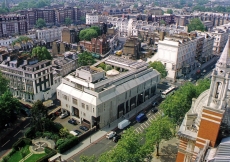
<point x="64" y="96"/>
<point x="82" y="105"/>
<point x="74" y="101"/>
<point x="87" y="107"/>
<point x="67" y="105"/>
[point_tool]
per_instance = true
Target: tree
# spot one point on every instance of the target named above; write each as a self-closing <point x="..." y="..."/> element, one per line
<point x="177" y="105"/>
<point x="41" y="53"/>
<point x="98" y="30"/>
<point x="161" y="129"/>
<point x="64" y="132"/>
<point x="202" y="85"/>
<point x="68" y="21"/>
<point x="21" y="39"/>
<point x="39" y="116"/>
<point x="85" y="59"/>
<point x="82" y="18"/>
<point x="40" y="23"/>
<point x="159" y="67"/>
<point x="162" y="22"/>
<point x="8" y="107"/>
<point x="3" y="84"/>
<point x="88" y="34"/>
<point x="169" y="11"/>
<point x="195" y="24"/>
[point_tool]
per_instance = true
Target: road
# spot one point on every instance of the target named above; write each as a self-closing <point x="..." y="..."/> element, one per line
<point x="104" y="144"/>
<point x="7" y="142"/>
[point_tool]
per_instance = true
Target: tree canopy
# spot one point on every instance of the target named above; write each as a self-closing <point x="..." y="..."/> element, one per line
<point x="85" y="59"/>
<point x="195" y="24"/>
<point x="159" y="67"/>
<point x="8" y="107"/>
<point x="3" y="84"/>
<point x="68" y="21"/>
<point x="39" y="115"/>
<point x="178" y="104"/>
<point x="41" y="53"/>
<point x="40" y="23"/>
<point x="21" y="39"/>
<point x="161" y="129"/>
<point x="169" y="11"/>
<point x="88" y="34"/>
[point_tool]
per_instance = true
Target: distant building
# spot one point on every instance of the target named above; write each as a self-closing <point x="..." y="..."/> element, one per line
<point x="132" y="49"/>
<point x="97" y="98"/>
<point x="91" y="18"/>
<point x="49" y="34"/>
<point x="11" y="25"/>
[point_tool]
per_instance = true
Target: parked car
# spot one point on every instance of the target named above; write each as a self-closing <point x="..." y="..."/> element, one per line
<point x="72" y="121"/>
<point x="141" y="117"/>
<point x="154" y="110"/>
<point x="73" y="133"/>
<point x="110" y="134"/>
<point x="84" y="128"/>
<point x="154" y="104"/>
<point x="63" y="115"/>
<point x="78" y="132"/>
<point x="116" y="138"/>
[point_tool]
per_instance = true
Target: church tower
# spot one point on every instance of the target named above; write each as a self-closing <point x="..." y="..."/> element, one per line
<point x="220" y="80"/>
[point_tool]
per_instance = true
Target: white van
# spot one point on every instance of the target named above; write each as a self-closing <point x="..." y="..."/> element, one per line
<point x="111" y="135"/>
<point x="123" y="124"/>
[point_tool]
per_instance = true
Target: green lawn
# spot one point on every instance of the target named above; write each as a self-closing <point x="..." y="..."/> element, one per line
<point x="35" y="157"/>
<point x="17" y="155"/>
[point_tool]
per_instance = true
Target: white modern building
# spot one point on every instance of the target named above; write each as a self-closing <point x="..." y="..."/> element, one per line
<point x="97" y="97"/>
<point x="30" y="80"/>
<point x="49" y="35"/>
<point x="91" y="18"/>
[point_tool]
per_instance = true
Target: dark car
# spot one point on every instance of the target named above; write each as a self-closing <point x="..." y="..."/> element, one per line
<point x="116" y="138"/>
<point x="154" y="104"/>
<point x="78" y="132"/>
<point x="72" y="121"/>
<point x="154" y="110"/>
<point x="84" y="128"/>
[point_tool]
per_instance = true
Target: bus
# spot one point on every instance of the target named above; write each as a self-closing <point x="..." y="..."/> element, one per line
<point x="168" y="92"/>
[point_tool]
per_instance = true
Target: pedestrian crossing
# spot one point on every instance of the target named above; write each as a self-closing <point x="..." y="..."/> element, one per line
<point x="147" y="123"/>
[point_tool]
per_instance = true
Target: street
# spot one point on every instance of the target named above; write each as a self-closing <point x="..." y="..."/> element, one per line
<point x="7" y="141"/>
<point x="105" y="144"/>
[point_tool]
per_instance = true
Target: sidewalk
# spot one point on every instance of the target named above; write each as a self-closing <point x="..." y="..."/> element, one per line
<point x="101" y="133"/>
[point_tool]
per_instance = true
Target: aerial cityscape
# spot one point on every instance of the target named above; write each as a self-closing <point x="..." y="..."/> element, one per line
<point x="114" y="81"/>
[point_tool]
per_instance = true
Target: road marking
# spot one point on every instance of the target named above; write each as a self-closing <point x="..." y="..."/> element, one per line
<point x="151" y="119"/>
<point x="27" y="125"/>
<point x="142" y="127"/>
<point x="145" y="125"/>
<point x="136" y="130"/>
<point x="17" y="133"/>
<point x="149" y="114"/>
<point x="5" y="143"/>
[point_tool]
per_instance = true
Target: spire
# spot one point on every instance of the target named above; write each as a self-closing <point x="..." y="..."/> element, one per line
<point x="224" y="60"/>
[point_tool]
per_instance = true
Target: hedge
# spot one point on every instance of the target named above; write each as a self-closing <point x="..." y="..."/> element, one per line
<point x="21" y="143"/>
<point x="50" y="152"/>
<point x="68" y="144"/>
<point x="6" y="158"/>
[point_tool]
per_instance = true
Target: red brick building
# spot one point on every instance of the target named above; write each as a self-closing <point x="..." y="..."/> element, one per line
<point x="201" y="126"/>
<point x="97" y="45"/>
